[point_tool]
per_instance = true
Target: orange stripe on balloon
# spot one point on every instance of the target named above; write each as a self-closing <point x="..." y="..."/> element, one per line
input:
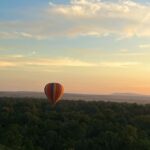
<point x="60" y="92"/>
<point x="56" y="94"/>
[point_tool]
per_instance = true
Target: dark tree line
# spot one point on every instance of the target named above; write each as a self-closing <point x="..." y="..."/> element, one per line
<point x="31" y="124"/>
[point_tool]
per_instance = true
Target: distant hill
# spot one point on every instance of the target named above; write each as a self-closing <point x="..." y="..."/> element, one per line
<point x="115" y="97"/>
<point x="128" y="94"/>
<point x="22" y="94"/>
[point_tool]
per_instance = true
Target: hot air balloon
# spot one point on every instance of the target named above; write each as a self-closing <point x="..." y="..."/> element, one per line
<point x="54" y="92"/>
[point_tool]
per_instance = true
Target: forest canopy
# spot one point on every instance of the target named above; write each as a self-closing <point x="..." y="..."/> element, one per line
<point x="32" y="124"/>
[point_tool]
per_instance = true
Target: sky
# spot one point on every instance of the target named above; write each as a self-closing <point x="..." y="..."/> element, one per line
<point x="89" y="46"/>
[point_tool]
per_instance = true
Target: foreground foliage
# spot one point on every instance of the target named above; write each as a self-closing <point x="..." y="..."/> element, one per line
<point x="31" y="124"/>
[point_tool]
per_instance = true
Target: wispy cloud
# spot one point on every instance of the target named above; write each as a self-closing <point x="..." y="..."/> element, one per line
<point x="44" y="62"/>
<point x="69" y="62"/>
<point x="128" y="53"/>
<point x="119" y="64"/>
<point x="13" y="56"/>
<point x="124" y="50"/>
<point x="144" y="46"/>
<point x="124" y="18"/>
<point x="19" y="35"/>
<point x="129" y="18"/>
<point x="17" y="56"/>
<point x="61" y="62"/>
<point x="7" y="64"/>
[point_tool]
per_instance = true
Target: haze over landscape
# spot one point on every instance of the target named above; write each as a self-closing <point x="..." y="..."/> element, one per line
<point x="116" y="97"/>
<point x="90" y="46"/>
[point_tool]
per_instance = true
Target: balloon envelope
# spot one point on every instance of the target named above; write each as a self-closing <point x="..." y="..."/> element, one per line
<point x="54" y="92"/>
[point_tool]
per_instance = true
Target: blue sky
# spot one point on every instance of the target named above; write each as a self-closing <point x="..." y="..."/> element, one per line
<point x="90" y="46"/>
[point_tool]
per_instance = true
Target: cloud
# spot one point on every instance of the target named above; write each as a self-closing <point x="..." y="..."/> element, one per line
<point x="7" y="64"/>
<point x="127" y="52"/>
<point x="17" y="56"/>
<point x="82" y="8"/>
<point x="144" y="46"/>
<point x="59" y="62"/>
<point x="87" y="8"/>
<point x="13" y="56"/>
<point x="69" y="62"/>
<point x="124" y="50"/>
<point x="124" y="18"/>
<point x="118" y="64"/>
<point x="19" y="35"/>
<point x="46" y="63"/>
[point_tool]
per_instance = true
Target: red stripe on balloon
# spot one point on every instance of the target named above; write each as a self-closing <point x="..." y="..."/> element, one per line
<point x="47" y="89"/>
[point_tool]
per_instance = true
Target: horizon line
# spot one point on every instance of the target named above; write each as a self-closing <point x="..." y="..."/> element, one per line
<point x="112" y="93"/>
